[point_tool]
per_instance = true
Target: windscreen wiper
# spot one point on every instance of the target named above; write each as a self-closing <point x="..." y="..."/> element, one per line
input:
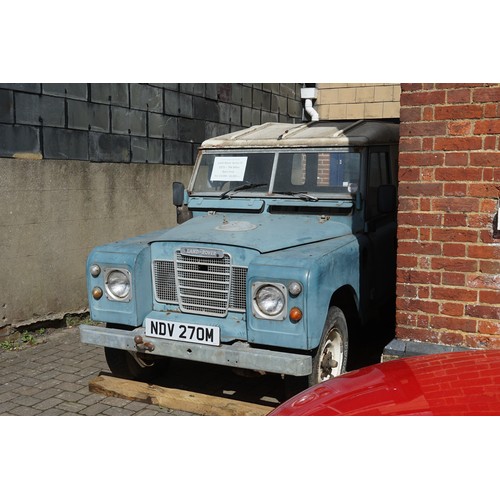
<point x="300" y="194"/>
<point x="242" y="187"/>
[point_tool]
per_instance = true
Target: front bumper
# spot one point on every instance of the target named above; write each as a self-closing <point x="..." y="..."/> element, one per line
<point x="239" y="354"/>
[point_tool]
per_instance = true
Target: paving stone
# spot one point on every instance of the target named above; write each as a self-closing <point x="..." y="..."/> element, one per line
<point x="25" y="411"/>
<point x="5" y="407"/>
<point x="95" y="409"/>
<point x="116" y="411"/>
<point x="51" y="412"/>
<point x="48" y="403"/>
<point x="71" y="406"/>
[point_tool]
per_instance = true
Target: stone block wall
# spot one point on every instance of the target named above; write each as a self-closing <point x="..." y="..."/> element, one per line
<point x="341" y="101"/>
<point x="82" y="164"/>
<point x="134" y="122"/>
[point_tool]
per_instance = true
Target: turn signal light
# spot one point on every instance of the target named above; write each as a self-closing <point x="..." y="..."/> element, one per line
<point x="295" y="314"/>
<point x="97" y="293"/>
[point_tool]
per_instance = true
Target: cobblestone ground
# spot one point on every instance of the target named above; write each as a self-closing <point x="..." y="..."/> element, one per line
<point x="52" y="378"/>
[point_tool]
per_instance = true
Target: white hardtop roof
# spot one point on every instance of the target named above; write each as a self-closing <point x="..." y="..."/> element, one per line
<point x="310" y="134"/>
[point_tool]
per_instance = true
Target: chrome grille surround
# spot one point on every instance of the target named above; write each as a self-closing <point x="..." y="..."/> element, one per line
<point x="200" y="285"/>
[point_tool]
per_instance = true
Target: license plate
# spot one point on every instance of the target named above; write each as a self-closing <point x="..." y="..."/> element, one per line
<point x="184" y="332"/>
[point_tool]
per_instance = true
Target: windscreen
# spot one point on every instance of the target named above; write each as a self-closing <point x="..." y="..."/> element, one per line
<point x="322" y="173"/>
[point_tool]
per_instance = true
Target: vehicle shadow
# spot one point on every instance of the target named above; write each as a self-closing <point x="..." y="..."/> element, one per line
<point x="266" y="389"/>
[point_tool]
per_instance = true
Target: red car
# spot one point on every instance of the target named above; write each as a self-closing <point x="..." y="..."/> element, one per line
<point x="455" y="383"/>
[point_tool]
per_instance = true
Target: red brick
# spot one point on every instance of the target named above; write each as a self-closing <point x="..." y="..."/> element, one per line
<point x="458" y="85"/>
<point x="419" y="277"/>
<point x="428" y="113"/>
<point x="491" y="328"/>
<point x="458" y="174"/>
<point x="410" y="87"/>
<point x="456" y="159"/>
<point x="458" y="96"/>
<point x="453" y="294"/>
<point x="481" y="190"/>
<point x="405" y="290"/>
<point x="420" y="98"/>
<point x="490" y="110"/>
<point x="428" y="144"/>
<point x="407" y="233"/>
<point x="421" y="159"/>
<point x="409" y="174"/>
<point x="423" y="129"/>
<point x="454" y="220"/>
<point x="454" y="264"/>
<point x="490" y="142"/>
<point x="417" y="334"/>
<point x="489" y="266"/>
<point x="455" y="235"/>
<point x="489" y="297"/>
<point x="410" y="114"/>
<point x="491" y="94"/>
<point x="459" y="128"/>
<point x="485" y="159"/>
<point x="454" y="249"/>
<point x="454" y="189"/>
<point x="481" y="311"/>
<point x="452" y="279"/>
<point x="489" y="281"/>
<point x="419" y="248"/>
<point x="410" y="144"/>
<point x="408" y="261"/>
<point x="452" y="338"/>
<point x="420" y="219"/>
<point x="479" y="220"/>
<point x="457" y="143"/>
<point x="487" y="127"/>
<point x="452" y="309"/>
<point x="457" y="205"/>
<point x="420" y="189"/>
<point x="408" y="204"/>
<point x="458" y="112"/>
<point x="425" y="204"/>
<point x="483" y="252"/>
<point x="453" y="324"/>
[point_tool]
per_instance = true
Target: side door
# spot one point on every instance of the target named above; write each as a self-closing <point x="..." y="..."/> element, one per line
<point x="381" y="224"/>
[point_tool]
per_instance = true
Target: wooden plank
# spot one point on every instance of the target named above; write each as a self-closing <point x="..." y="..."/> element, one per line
<point x="175" y="399"/>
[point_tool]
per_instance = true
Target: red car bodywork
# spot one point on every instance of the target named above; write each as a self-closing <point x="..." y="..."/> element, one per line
<point x="457" y="383"/>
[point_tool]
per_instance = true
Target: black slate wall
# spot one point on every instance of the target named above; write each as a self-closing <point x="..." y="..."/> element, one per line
<point x="134" y="122"/>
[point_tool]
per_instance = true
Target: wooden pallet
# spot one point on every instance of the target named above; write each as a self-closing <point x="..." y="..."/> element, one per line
<point x="175" y="399"/>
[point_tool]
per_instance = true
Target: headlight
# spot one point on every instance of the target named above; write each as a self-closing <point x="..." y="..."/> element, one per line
<point x="269" y="300"/>
<point x="118" y="284"/>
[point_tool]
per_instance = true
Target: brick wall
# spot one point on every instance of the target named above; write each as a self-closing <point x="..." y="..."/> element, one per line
<point x="448" y="279"/>
<point x="133" y="122"/>
<point x="339" y="101"/>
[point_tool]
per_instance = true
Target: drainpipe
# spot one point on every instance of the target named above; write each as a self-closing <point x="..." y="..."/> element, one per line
<point x="310" y="94"/>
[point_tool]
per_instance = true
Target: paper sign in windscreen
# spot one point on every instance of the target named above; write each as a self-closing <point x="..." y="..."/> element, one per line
<point x="229" y="168"/>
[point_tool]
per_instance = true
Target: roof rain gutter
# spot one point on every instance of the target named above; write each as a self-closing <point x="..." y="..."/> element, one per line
<point x="310" y="94"/>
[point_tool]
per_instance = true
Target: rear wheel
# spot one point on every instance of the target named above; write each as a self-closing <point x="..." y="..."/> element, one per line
<point x="330" y="359"/>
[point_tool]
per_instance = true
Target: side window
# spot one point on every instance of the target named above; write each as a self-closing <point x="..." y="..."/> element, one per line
<point x="378" y="175"/>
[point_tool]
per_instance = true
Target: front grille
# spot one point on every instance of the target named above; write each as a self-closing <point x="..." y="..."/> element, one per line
<point x="200" y="285"/>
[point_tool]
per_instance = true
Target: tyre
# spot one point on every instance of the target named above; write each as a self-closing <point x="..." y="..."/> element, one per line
<point x="133" y="366"/>
<point x="330" y="359"/>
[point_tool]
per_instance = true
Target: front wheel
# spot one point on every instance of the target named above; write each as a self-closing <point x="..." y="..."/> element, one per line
<point x="330" y="359"/>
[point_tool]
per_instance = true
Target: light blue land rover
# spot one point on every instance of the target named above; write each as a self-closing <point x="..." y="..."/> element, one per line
<point x="286" y="245"/>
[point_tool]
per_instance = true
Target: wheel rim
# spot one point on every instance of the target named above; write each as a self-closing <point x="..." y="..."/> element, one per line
<point x="332" y="356"/>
